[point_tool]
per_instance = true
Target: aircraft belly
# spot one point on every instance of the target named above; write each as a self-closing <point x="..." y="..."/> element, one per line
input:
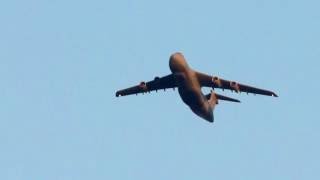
<point x="198" y="105"/>
<point x="189" y="89"/>
<point x="190" y="93"/>
<point x="188" y="97"/>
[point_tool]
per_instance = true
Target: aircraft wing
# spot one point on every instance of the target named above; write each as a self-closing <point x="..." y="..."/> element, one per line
<point x="216" y="82"/>
<point x="154" y="85"/>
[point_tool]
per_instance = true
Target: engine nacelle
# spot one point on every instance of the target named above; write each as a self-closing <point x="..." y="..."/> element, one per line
<point x="156" y="79"/>
<point x="234" y="86"/>
<point x="143" y="86"/>
<point x="216" y="81"/>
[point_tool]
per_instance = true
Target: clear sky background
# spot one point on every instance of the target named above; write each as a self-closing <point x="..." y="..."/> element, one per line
<point x="62" y="61"/>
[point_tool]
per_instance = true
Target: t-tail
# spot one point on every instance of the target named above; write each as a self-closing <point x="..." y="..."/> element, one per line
<point x="220" y="97"/>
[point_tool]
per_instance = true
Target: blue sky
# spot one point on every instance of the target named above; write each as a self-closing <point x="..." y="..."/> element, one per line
<point x="62" y="61"/>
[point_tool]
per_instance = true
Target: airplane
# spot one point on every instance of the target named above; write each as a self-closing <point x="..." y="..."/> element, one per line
<point x="189" y="83"/>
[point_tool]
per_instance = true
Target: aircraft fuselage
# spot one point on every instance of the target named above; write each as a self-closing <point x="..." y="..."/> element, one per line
<point x="189" y="87"/>
<point x="189" y="83"/>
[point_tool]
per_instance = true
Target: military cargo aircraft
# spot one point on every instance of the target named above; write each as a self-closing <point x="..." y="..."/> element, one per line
<point x="189" y="83"/>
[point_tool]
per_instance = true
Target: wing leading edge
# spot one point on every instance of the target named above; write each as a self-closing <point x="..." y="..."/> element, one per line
<point x="216" y="82"/>
<point x="158" y="83"/>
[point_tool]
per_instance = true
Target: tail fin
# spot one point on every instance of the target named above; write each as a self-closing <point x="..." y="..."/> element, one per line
<point x="212" y="99"/>
<point x="224" y="98"/>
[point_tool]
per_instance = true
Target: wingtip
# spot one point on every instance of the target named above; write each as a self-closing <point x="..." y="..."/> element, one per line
<point x="274" y="95"/>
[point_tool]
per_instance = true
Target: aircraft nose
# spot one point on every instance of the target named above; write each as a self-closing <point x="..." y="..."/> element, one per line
<point x="176" y="62"/>
<point x="176" y="55"/>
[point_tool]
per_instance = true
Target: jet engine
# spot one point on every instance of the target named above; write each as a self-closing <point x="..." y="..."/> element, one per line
<point x="156" y="79"/>
<point x="143" y="86"/>
<point x="235" y="86"/>
<point x="216" y="81"/>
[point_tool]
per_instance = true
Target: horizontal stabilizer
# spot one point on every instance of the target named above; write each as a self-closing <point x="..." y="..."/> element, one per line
<point x="224" y="98"/>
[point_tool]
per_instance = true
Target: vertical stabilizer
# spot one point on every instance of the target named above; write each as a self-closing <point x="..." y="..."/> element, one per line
<point x="213" y="100"/>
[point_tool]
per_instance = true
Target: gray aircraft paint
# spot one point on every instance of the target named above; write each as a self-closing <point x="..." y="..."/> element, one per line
<point x="189" y="83"/>
<point x="189" y="88"/>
